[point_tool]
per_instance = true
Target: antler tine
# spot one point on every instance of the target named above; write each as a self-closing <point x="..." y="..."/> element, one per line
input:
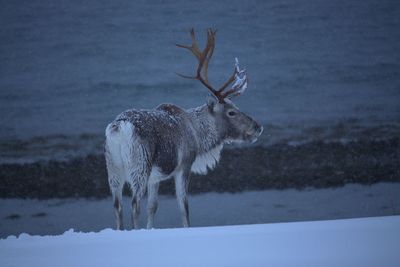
<point x="208" y="51"/>
<point x="194" y="48"/>
<point x="238" y="78"/>
<point x="203" y="57"/>
<point x="240" y="82"/>
<point x="228" y="82"/>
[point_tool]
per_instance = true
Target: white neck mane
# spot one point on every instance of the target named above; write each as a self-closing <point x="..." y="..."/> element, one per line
<point x="208" y="140"/>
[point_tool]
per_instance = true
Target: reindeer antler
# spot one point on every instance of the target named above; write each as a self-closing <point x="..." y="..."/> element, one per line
<point x="238" y="78"/>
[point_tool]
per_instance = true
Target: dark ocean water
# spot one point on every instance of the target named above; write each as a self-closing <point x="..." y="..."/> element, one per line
<point x="317" y="68"/>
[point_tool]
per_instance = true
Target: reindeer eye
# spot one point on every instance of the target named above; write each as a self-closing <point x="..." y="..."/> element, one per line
<point x="231" y="113"/>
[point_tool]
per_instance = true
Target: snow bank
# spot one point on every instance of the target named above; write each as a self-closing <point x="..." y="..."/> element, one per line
<point x="354" y="242"/>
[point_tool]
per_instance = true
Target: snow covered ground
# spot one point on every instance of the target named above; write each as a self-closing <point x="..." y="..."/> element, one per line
<point x="354" y="242"/>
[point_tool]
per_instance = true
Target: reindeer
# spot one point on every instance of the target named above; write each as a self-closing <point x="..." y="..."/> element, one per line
<point x="145" y="147"/>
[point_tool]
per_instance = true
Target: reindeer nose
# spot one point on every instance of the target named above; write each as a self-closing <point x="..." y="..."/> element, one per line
<point x="259" y="129"/>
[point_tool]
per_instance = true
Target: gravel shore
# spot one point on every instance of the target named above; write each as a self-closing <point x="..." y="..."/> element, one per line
<point x="278" y="166"/>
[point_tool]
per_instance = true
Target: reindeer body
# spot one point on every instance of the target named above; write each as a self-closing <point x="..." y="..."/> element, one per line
<point x="144" y="147"/>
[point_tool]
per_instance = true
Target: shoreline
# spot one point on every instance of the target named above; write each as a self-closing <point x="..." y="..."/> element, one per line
<point x="55" y="216"/>
<point x="280" y="166"/>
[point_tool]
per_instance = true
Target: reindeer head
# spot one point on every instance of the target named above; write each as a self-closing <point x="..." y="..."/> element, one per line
<point x="232" y="124"/>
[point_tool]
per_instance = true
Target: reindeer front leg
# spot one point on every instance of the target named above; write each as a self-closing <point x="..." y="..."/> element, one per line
<point x="181" y="190"/>
<point x="152" y="203"/>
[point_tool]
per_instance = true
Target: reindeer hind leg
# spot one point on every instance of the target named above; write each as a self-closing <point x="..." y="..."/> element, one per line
<point x="138" y="191"/>
<point x="138" y="175"/>
<point x="117" y="200"/>
<point x="116" y="186"/>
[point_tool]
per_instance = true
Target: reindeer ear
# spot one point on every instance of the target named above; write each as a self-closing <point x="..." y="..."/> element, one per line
<point x="211" y="102"/>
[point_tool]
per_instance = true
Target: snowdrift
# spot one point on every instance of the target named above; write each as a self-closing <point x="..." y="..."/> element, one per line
<point x="353" y="242"/>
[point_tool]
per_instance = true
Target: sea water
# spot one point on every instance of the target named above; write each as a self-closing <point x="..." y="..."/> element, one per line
<point x="69" y="67"/>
